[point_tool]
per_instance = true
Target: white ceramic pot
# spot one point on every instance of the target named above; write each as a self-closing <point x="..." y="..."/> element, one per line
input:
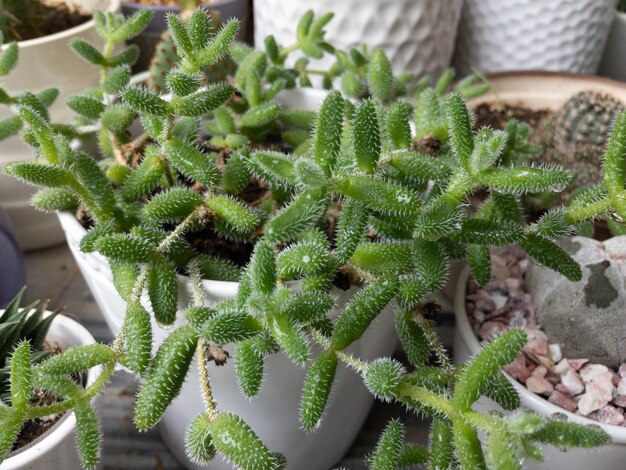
<point x="417" y="35"/>
<point x="273" y="414"/>
<point x="45" y="63"/>
<point x="613" y="64"/>
<point x="612" y="456"/>
<point x="56" y="449"/>
<point x="560" y="35"/>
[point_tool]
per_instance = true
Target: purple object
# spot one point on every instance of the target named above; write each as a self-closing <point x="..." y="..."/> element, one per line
<point x="150" y="37"/>
<point x="11" y="263"/>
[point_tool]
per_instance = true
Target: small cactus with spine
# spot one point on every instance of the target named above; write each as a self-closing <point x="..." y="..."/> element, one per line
<point x="357" y="202"/>
<point x="575" y="137"/>
<point x="581" y="127"/>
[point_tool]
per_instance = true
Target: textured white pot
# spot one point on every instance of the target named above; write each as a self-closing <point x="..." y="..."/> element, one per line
<point x="417" y="35"/>
<point x="56" y="449"/>
<point x="560" y="35"/>
<point x="612" y="456"/>
<point x="45" y="63"/>
<point x="613" y="64"/>
<point x="273" y="414"/>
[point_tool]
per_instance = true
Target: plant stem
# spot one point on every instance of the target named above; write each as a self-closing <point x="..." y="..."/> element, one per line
<point x="163" y="247"/>
<point x="288" y="50"/>
<point x="88" y="394"/>
<point x="205" y="384"/>
<point x="198" y="301"/>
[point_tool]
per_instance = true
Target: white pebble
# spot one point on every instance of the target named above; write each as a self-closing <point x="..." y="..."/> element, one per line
<point x="571" y="380"/>
<point x="555" y="351"/>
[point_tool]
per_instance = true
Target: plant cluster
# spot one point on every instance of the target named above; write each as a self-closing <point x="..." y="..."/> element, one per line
<point x="354" y="201"/>
<point x="17" y="325"/>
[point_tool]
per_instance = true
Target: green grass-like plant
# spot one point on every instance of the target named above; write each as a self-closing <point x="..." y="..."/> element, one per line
<point x="354" y="199"/>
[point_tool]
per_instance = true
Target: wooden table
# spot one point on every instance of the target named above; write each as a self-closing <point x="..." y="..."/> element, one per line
<point x="53" y="274"/>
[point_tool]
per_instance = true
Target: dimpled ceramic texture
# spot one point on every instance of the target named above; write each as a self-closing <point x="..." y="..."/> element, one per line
<point x="44" y="63"/>
<point x="559" y="35"/>
<point x="417" y="35"/>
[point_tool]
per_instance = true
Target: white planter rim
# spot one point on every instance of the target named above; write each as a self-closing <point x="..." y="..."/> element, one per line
<point x="113" y="6"/>
<point x="544" y="89"/>
<point x="529" y="400"/>
<point x="24" y="456"/>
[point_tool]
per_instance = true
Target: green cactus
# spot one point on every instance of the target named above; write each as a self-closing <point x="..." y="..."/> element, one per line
<point x="581" y="127"/>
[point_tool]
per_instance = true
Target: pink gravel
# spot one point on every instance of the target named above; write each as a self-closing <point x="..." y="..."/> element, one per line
<point x="574" y="384"/>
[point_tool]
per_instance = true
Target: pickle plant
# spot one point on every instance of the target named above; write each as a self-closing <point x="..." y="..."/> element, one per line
<point x="359" y="205"/>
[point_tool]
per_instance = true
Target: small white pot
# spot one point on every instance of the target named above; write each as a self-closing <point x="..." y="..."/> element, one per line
<point x="417" y="35"/>
<point x="613" y="64"/>
<point x="612" y="456"/>
<point x="45" y="62"/>
<point x="56" y="449"/>
<point x="558" y="35"/>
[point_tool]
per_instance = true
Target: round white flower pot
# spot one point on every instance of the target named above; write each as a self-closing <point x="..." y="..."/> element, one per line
<point x="417" y="35"/>
<point x="273" y="414"/>
<point x="56" y="449"/>
<point x="613" y="64"/>
<point x="45" y="62"/>
<point x="563" y="35"/>
<point x="612" y="456"/>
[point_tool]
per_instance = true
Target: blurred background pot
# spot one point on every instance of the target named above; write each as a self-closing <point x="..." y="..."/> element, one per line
<point x="417" y="35"/>
<point x="613" y="63"/>
<point x="150" y="37"/>
<point x="11" y="265"/>
<point x="44" y="63"/>
<point x="558" y="35"/>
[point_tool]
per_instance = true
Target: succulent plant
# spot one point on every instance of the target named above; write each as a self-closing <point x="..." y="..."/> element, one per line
<point x="18" y="324"/>
<point x="354" y="201"/>
<point x="165" y="59"/>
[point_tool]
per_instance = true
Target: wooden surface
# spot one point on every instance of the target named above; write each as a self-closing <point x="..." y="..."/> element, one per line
<point x="53" y="274"/>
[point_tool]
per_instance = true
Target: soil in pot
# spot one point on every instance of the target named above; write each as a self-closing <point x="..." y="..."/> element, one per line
<point x="30" y="19"/>
<point x="33" y="429"/>
<point x="572" y="383"/>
